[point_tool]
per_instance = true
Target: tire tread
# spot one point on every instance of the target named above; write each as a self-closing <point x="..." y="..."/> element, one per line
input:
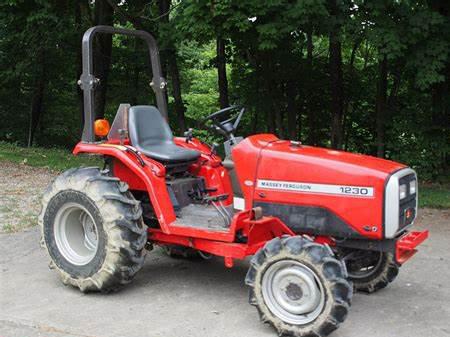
<point x="125" y="253"/>
<point x="321" y="258"/>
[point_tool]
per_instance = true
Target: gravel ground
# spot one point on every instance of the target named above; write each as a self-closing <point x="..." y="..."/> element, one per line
<point x="172" y="297"/>
<point x="21" y="188"/>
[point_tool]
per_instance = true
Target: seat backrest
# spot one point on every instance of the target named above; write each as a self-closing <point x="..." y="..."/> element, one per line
<point x="147" y="126"/>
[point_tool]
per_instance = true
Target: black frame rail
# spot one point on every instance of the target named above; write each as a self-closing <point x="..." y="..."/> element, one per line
<point x="88" y="82"/>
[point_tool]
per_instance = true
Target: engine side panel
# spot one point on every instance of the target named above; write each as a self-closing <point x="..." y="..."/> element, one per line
<point x="309" y="219"/>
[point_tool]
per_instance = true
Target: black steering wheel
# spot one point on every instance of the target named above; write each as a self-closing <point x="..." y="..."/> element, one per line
<point x="225" y="121"/>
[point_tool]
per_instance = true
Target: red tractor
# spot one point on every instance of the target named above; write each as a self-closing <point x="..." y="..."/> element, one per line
<point x="314" y="220"/>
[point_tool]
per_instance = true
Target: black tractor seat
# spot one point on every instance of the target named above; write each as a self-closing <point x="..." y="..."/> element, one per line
<point x="150" y="134"/>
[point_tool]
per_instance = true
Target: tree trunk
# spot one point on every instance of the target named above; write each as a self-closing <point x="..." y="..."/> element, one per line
<point x="380" y="107"/>
<point x="222" y="73"/>
<point x="172" y="68"/>
<point x="440" y="92"/>
<point x="345" y="117"/>
<point x="440" y="95"/>
<point x="79" y="28"/>
<point x="337" y="87"/>
<point x="176" y="87"/>
<point x="258" y="92"/>
<point x="264" y="71"/>
<point x="311" y="114"/>
<point x="391" y="100"/>
<point x="309" y="46"/>
<point x="254" y="122"/>
<point x="278" y="111"/>
<point x="135" y="76"/>
<point x="366" y="55"/>
<point x="440" y="98"/>
<point x="103" y="15"/>
<point x="292" y="111"/>
<point x="37" y="98"/>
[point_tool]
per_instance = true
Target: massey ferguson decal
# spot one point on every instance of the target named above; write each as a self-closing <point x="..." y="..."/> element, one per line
<point x="356" y="191"/>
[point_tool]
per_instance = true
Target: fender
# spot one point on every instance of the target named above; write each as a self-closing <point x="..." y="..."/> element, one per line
<point x="151" y="173"/>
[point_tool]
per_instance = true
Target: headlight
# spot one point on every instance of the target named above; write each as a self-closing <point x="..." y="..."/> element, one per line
<point x="402" y="191"/>
<point x="412" y="186"/>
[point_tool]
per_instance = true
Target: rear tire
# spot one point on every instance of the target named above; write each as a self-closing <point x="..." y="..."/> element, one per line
<point x="375" y="272"/>
<point x="92" y="229"/>
<point x="298" y="287"/>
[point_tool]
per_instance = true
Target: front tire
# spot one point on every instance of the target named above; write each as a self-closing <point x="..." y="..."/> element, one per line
<point x="92" y="229"/>
<point x="299" y="287"/>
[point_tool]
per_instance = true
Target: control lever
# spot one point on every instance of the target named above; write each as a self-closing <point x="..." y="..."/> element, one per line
<point x="216" y="201"/>
<point x="215" y="198"/>
<point x="196" y="194"/>
<point x="123" y="134"/>
<point x="214" y="147"/>
<point x="188" y="135"/>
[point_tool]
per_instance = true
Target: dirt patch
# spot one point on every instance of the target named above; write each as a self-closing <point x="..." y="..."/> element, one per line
<point x="430" y="215"/>
<point x="21" y="189"/>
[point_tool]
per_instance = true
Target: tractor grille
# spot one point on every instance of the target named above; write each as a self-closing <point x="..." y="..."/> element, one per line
<point x="407" y="211"/>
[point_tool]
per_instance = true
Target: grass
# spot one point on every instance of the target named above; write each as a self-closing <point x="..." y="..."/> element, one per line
<point x="54" y="159"/>
<point x="24" y="221"/>
<point x="434" y="195"/>
<point x="430" y="195"/>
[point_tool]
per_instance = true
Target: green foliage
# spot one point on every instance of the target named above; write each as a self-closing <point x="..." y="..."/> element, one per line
<point x="200" y="93"/>
<point x="277" y="64"/>
<point x="54" y="159"/>
<point x="434" y="196"/>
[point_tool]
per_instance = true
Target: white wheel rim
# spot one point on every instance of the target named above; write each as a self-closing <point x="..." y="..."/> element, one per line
<point x="293" y="292"/>
<point x="76" y="234"/>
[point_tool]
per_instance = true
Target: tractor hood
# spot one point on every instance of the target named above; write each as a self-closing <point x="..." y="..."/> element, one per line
<point x="278" y="174"/>
<point x="321" y="159"/>
<point x="286" y="159"/>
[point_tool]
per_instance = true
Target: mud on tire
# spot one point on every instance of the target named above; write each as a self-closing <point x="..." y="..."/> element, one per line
<point x="116" y="230"/>
<point x="329" y="274"/>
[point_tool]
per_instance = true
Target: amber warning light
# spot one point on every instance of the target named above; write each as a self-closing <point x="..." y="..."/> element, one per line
<point x="409" y="213"/>
<point x="101" y="127"/>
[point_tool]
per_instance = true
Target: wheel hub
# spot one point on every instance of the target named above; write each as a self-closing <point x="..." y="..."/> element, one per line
<point x="90" y="231"/>
<point x="293" y="292"/>
<point x="76" y="234"/>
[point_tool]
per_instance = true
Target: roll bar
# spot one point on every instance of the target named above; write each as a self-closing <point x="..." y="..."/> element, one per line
<point x="88" y="82"/>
